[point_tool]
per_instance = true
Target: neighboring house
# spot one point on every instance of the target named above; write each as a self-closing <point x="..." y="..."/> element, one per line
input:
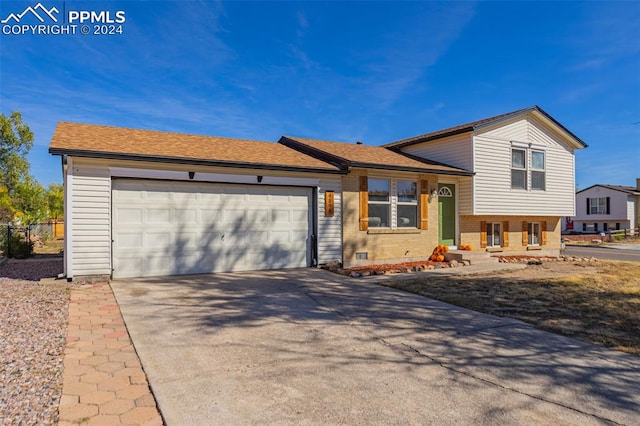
<point x="145" y="203"/>
<point x="523" y="182"/>
<point x="602" y="208"/>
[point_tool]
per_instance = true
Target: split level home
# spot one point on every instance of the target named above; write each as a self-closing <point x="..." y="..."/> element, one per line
<point x="148" y="203"/>
<point x="603" y="208"/>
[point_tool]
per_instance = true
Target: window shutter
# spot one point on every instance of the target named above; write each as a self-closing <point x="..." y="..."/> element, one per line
<point x="608" y="205"/>
<point x="525" y="235"/>
<point x="483" y="234"/>
<point x="588" y="206"/>
<point x="364" y="203"/>
<point x="543" y="231"/>
<point x="424" y="204"/>
<point x="505" y="233"/>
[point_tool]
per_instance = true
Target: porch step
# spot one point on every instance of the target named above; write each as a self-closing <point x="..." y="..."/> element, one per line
<point x="474" y="257"/>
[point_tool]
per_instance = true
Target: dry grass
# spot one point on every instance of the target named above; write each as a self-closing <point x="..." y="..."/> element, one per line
<point x="598" y="303"/>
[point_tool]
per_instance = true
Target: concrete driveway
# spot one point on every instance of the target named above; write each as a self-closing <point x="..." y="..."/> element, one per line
<point x="310" y="347"/>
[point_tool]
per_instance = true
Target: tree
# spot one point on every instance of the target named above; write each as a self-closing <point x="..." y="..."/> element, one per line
<point x="30" y="202"/>
<point x="16" y="139"/>
<point x="55" y="200"/>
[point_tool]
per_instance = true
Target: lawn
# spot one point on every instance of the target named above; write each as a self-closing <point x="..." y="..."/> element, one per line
<point x="598" y="302"/>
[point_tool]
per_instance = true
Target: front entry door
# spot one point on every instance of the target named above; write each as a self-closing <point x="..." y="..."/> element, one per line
<point x="446" y="214"/>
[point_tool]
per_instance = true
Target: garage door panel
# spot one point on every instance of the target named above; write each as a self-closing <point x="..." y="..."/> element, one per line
<point x="198" y="228"/>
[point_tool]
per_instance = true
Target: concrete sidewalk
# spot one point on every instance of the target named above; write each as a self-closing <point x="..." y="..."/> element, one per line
<point x="103" y="381"/>
<point x="311" y="347"/>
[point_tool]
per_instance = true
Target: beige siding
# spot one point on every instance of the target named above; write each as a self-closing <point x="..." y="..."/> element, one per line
<point x="493" y="193"/>
<point x="91" y="219"/>
<point x="330" y="228"/>
<point x="455" y="151"/>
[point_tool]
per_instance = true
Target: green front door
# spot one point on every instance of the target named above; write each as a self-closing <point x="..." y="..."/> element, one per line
<point x="446" y="214"/>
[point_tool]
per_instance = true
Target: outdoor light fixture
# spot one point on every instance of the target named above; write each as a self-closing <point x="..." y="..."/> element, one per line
<point x="191" y="175"/>
<point x="433" y="194"/>
<point x="259" y="179"/>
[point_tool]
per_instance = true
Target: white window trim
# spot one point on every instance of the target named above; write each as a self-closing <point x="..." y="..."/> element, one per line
<point x="406" y="203"/>
<point x="597" y="205"/>
<point x="492" y="225"/>
<point x="528" y="149"/>
<point x="394" y="202"/>
<point x="388" y="203"/>
<point x="531" y="227"/>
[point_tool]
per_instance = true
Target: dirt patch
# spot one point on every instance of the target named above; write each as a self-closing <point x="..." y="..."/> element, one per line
<point x="597" y="302"/>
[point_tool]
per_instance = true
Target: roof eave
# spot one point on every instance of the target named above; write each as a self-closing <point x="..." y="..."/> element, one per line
<point x="411" y="169"/>
<point x="190" y="161"/>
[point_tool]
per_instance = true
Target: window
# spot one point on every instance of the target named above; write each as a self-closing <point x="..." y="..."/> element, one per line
<point x="493" y="235"/>
<point x="518" y="169"/>
<point x="534" y="233"/>
<point x="595" y="227"/>
<point x="605" y="227"/>
<point x="379" y="203"/>
<point x="407" y="204"/>
<point x="598" y="205"/>
<point x="537" y="170"/>
<point x="584" y="227"/>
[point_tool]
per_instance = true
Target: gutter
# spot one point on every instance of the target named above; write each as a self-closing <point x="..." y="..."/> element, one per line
<point x="191" y="161"/>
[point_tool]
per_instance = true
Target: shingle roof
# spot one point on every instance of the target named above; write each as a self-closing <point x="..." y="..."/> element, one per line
<point x="631" y="190"/>
<point x="468" y="127"/>
<point x="90" y="140"/>
<point x="366" y="156"/>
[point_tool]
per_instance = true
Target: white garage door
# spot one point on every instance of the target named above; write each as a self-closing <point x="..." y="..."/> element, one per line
<point x="172" y="228"/>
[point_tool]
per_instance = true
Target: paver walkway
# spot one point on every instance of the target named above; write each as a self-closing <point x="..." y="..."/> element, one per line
<point x="103" y="381"/>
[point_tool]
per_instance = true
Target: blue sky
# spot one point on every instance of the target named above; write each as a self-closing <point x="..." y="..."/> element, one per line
<point x="345" y="71"/>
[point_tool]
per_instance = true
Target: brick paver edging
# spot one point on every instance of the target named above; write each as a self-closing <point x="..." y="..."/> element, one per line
<point x="103" y="380"/>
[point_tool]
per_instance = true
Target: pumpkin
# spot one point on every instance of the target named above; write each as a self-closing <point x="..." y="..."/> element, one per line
<point x="469" y="247"/>
<point x="445" y="249"/>
<point x="434" y="257"/>
<point x="440" y="258"/>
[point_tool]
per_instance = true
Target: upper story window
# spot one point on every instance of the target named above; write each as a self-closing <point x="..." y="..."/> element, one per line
<point x="407" y="204"/>
<point x="537" y="170"/>
<point x="528" y="167"/>
<point x="518" y="169"/>
<point x="379" y="203"/>
<point x="598" y="205"/>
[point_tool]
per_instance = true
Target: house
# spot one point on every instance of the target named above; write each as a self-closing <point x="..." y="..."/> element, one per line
<point x="523" y="181"/>
<point x="602" y="208"/>
<point x="147" y="203"/>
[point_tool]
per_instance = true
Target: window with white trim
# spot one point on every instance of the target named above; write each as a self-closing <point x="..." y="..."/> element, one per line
<point x="494" y="234"/>
<point x="537" y="170"/>
<point x="598" y="205"/>
<point x="534" y="233"/>
<point x="379" y="203"/>
<point x="518" y="168"/>
<point x="407" y="204"/>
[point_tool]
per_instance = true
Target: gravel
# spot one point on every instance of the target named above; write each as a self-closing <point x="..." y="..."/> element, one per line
<point x="33" y="328"/>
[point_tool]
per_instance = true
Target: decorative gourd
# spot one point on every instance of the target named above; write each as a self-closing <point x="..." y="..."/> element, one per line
<point x="440" y="258"/>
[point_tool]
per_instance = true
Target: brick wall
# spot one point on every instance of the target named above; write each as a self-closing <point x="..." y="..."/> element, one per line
<point x="388" y="245"/>
<point x="470" y="232"/>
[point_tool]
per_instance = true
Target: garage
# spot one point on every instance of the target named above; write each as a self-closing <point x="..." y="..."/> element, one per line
<point x="174" y="228"/>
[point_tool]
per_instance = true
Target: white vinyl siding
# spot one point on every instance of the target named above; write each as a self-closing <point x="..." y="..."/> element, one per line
<point x="330" y="228"/>
<point x="91" y="219"/>
<point x="493" y="192"/>
<point x="88" y="215"/>
<point x="621" y="207"/>
<point x="455" y="151"/>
